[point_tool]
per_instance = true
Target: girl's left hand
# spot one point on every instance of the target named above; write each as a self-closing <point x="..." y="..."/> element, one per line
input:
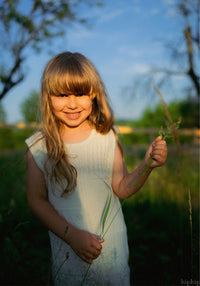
<point x="158" y="152"/>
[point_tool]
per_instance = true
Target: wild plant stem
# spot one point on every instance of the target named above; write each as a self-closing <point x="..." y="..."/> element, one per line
<point x="86" y="273"/>
<point x="65" y="231"/>
<point x="170" y="121"/>
<point x="191" y="231"/>
<point x="141" y="174"/>
<point x="113" y="219"/>
<point x="58" y="270"/>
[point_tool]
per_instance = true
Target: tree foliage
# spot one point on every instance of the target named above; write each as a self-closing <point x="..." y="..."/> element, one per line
<point x="30" y="108"/>
<point x="185" y="51"/>
<point x="182" y="54"/>
<point x="187" y="111"/>
<point x="2" y="114"/>
<point x="29" y="24"/>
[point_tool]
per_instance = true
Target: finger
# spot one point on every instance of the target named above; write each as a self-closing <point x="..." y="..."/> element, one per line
<point x="86" y="259"/>
<point x="97" y="243"/>
<point x="96" y="254"/>
<point x="100" y="240"/>
<point x="160" y="152"/>
<point x="159" y="159"/>
<point x="159" y="138"/>
<point x="160" y="147"/>
<point x="98" y="247"/>
<point x="92" y="254"/>
<point x="160" y="143"/>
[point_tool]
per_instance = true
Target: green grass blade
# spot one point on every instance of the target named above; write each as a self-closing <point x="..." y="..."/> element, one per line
<point x="86" y="273"/>
<point x="106" y="213"/>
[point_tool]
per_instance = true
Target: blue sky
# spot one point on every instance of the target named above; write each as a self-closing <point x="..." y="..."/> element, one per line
<point x="125" y="39"/>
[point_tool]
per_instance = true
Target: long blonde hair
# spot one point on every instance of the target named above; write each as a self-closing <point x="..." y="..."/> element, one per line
<point x="71" y="73"/>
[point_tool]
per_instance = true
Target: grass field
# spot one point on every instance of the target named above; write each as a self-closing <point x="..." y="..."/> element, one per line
<point x="164" y="245"/>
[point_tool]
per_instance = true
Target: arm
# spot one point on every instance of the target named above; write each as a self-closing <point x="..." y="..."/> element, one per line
<point x="86" y="245"/>
<point x="124" y="184"/>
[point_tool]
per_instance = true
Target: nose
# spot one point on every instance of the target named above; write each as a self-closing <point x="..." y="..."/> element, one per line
<point x="72" y="102"/>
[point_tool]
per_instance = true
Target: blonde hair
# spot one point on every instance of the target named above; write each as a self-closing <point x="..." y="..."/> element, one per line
<point x="71" y="73"/>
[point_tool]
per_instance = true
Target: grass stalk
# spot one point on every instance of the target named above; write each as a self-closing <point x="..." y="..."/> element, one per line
<point x="67" y="254"/>
<point x="141" y="173"/>
<point x="170" y="124"/>
<point x="191" y="230"/>
<point x="86" y="273"/>
<point x="60" y="266"/>
<point x="172" y="130"/>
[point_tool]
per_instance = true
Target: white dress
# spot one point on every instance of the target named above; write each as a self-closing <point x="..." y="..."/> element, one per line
<point x="85" y="208"/>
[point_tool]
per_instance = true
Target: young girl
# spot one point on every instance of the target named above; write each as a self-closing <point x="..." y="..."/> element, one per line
<point x="76" y="175"/>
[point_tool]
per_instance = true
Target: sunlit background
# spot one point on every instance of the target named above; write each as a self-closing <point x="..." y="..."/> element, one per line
<point x="126" y="41"/>
<point x="134" y="44"/>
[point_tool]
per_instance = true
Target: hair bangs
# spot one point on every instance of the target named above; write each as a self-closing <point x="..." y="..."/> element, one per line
<point x="72" y="80"/>
<point x="78" y="82"/>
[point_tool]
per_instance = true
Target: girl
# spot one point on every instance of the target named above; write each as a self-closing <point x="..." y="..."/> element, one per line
<point x="76" y="175"/>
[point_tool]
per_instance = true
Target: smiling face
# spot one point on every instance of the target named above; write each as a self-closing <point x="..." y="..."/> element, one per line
<point x="72" y="110"/>
<point x="71" y="91"/>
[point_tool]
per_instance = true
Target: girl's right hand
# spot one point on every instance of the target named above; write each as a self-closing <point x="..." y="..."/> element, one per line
<point x="86" y="245"/>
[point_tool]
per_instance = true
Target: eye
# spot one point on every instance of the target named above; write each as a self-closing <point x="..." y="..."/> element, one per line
<point x="62" y="95"/>
<point x="80" y="94"/>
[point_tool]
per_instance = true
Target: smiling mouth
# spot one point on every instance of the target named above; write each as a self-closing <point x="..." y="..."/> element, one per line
<point x="73" y="116"/>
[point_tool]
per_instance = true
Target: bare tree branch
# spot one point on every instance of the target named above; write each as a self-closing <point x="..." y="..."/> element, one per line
<point x="21" y="28"/>
<point x="191" y="72"/>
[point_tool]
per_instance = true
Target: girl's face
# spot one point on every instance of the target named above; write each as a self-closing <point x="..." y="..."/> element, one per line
<point x="72" y="110"/>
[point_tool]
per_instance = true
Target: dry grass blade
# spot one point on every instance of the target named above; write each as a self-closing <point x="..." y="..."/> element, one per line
<point x="191" y="231"/>
<point x="171" y="124"/>
<point x="67" y="254"/>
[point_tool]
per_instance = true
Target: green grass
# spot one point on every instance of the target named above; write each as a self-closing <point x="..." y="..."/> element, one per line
<point x="25" y="253"/>
<point x="157" y="219"/>
<point x="13" y="138"/>
<point x="159" y="231"/>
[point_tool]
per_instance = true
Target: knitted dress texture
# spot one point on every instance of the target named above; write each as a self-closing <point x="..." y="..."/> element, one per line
<point x="85" y="208"/>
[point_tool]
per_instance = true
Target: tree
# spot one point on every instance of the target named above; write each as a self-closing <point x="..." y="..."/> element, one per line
<point x="185" y="54"/>
<point x="186" y="110"/>
<point x="2" y="114"/>
<point x="30" y="108"/>
<point x="30" y="27"/>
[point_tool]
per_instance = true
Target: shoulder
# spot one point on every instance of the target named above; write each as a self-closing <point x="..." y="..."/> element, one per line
<point x="37" y="147"/>
<point x="36" y="142"/>
<point x="109" y="137"/>
<point x="35" y="138"/>
<point x="106" y="144"/>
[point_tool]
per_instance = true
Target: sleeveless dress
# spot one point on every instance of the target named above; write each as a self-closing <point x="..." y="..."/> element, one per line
<point x="92" y="206"/>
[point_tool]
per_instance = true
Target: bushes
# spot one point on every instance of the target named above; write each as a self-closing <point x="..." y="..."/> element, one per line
<point x="157" y="219"/>
<point x="13" y="138"/>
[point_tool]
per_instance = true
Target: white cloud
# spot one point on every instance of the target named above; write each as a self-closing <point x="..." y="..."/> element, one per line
<point x="108" y="16"/>
<point x="79" y="33"/>
<point x="169" y="2"/>
<point x="171" y="8"/>
<point x="155" y="11"/>
<point x="130" y="51"/>
<point x="137" y="68"/>
<point x="123" y="69"/>
<point x="137" y="9"/>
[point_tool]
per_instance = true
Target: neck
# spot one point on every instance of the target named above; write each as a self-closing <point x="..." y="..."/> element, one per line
<point x="76" y="134"/>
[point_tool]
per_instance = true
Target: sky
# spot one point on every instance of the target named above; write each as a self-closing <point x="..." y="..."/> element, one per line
<point x="124" y="40"/>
